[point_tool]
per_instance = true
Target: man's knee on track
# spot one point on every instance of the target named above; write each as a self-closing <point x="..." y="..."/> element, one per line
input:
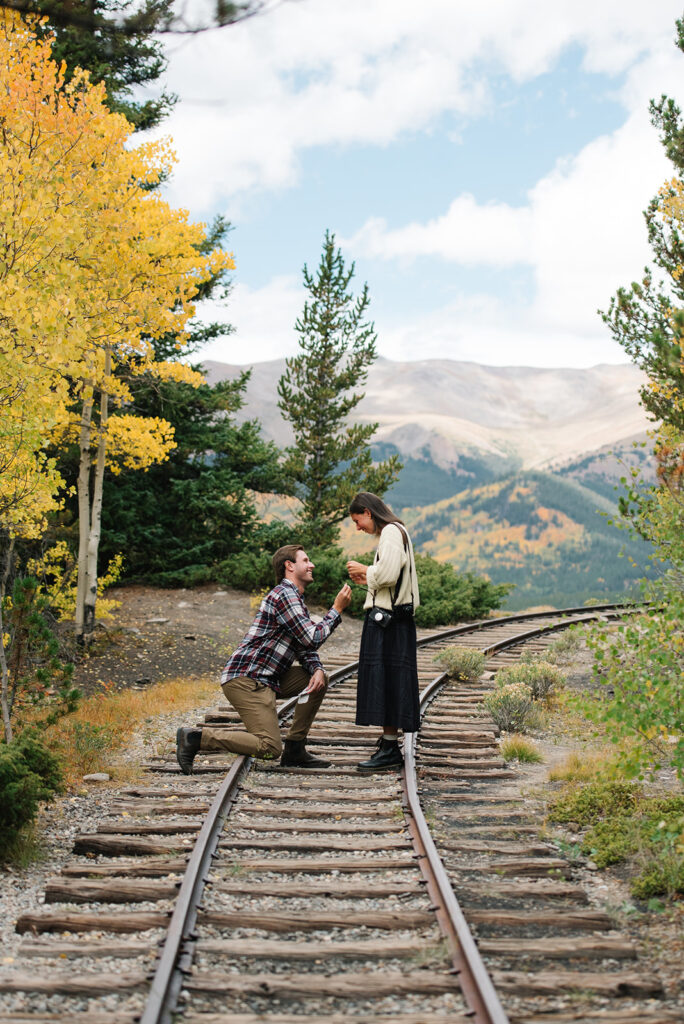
<point x="269" y="748"/>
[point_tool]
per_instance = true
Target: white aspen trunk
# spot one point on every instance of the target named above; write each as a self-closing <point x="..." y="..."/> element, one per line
<point x="83" y="511"/>
<point x="96" y="513"/>
<point x="4" y="692"/>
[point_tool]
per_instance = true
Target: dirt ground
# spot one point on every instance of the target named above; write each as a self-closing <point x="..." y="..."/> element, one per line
<point x="159" y="634"/>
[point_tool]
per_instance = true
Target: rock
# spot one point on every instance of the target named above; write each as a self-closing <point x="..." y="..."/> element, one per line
<point x="131" y="629"/>
<point x="590" y="866"/>
<point x="156" y="621"/>
<point x="97" y="777"/>
<point x="182" y="604"/>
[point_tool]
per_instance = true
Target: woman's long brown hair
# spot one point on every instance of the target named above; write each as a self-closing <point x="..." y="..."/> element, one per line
<point x="380" y="513"/>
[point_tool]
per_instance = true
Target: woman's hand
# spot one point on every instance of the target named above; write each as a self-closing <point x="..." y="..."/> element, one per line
<point x="357" y="571"/>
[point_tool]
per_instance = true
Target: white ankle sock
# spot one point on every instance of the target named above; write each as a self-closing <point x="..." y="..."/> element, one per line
<point x="390" y="736"/>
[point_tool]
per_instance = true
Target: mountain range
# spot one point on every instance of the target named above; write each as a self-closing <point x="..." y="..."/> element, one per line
<point x="510" y="471"/>
<point x="444" y="410"/>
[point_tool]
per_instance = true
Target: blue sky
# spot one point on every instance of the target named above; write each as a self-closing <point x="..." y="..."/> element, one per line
<point x="485" y="168"/>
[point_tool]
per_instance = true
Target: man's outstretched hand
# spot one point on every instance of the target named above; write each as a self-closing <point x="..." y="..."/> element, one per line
<point x="317" y="681"/>
<point x="343" y="598"/>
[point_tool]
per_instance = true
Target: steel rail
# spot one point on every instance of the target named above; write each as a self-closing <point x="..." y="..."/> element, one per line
<point x="554" y="627"/>
<point x="177" y="953"/>
<point x="484" y="624"/>
<point x="476" y="985"/>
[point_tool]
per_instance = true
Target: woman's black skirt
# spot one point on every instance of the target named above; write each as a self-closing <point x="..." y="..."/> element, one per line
<point x="387" y="689"/>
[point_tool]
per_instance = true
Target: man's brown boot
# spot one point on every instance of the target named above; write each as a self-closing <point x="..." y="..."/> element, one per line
<point x="187" y="746"/>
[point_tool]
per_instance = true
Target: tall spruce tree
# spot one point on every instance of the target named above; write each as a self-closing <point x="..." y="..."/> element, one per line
<point x="331" y="457"/>
<point x="647" y="319"/>
<point x="117" y="41"/>
<point x="176" y="522"/>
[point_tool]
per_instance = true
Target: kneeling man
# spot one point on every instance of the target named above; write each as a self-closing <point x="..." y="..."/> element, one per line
<point x="262" y="669"/>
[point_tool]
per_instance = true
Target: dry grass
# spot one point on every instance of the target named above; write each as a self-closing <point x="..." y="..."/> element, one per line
<point x="583" y="766"/>
<point x="98" y="733"/>
<point x="519" y="748"/>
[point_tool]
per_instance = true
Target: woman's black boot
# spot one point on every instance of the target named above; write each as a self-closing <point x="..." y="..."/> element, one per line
<point x="386" y="757"/>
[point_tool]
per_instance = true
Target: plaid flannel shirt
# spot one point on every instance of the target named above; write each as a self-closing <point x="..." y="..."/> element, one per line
<point x="282" y="631"/>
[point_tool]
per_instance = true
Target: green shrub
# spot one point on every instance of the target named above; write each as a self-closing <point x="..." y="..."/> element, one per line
<point x="540" y="676"/>
<point x="589" y="804"/>
<point x="627" y="825"/>
<point x="29" y="774"/>
<point x="660" y="879"/>
<point x="463" y="663"/>
<point x="447" y="596"/>
<point x="91" y="743"/>
<point x="611" y="840"/>
<point x="511" y="707"/>
<point x="638" y="664"/>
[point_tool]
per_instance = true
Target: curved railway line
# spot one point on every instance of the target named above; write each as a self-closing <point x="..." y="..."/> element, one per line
<point x="248" y="893"/>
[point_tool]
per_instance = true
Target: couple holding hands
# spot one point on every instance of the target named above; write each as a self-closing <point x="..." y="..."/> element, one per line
<point x="263" y="668"/>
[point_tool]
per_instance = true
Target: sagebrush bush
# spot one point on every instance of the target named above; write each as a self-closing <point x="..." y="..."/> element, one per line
<point x="29" y="774"/>
<point x="463" y="663"/>
<point x="564" y="647"/>
<point x="540" y="676"/>
<point x="511" y="707"/>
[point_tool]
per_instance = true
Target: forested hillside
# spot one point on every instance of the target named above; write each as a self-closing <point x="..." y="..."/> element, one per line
<point x="551" y="536"/>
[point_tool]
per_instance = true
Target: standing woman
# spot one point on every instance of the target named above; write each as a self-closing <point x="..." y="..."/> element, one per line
<point x="387" y="691"/>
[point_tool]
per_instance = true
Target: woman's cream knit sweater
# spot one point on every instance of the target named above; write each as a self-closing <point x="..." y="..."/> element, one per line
<point x="390" y="558"/>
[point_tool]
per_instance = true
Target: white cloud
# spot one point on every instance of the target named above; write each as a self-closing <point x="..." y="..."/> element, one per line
<point x="494" y="234"/>
<point x="320" y="72"/>
<point x="480" y="329"/>
<point x="263" y="319"/>
<point x="581" y="232"/>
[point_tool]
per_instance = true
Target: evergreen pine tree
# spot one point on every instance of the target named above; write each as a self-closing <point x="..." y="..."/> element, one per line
<point x="331" y="458"/>
<point x="178" y="520"/>
<point x="647" y="319"/>
<point x="117" y="41"/>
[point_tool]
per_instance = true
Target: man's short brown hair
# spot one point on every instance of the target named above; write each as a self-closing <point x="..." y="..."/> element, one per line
<point x="288" y="553"/>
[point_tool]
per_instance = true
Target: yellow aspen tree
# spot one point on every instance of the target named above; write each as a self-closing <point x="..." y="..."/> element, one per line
<point x="93" y="265"/>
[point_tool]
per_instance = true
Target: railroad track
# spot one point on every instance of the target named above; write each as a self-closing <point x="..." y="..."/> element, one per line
<point x="247" y="893"/>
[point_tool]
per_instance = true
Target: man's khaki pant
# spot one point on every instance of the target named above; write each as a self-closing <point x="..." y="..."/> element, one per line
<point x="255" y="703"/>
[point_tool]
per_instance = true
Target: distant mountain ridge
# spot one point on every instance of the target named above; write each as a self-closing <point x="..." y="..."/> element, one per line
<point x="508" y="471"/>
<point x="447" y="411"/>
